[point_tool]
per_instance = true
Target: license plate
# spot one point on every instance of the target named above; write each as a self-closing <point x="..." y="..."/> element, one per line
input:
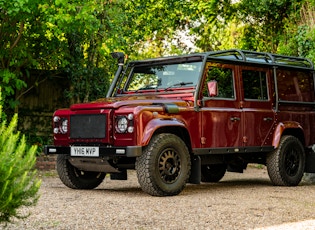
<point x="85" y="151"/>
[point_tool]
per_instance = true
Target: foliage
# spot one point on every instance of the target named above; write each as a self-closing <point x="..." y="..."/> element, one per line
<point x="156" y="26"/>
<point x="265" y="20"/>
<point x="77" y="36"/>
<point x="10" y="82"/>
<point x="87" y="34"/>
<point x="299" y="37"/>
<point x="16" y="22"/>
<point x="211" y="22"/>
<point x="246" y="24"/>
<point x="18" y="183"/>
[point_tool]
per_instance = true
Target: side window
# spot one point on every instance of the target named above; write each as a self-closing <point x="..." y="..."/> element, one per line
<point x="255" y="85"/>
<point x="295" y="85"/>
<point x="224" y="79"/>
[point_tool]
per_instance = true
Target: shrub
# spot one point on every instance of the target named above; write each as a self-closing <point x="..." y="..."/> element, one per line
<point x="18" y="182"/>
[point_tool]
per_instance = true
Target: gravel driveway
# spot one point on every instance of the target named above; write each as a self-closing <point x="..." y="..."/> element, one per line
<point x="239" y="201"/>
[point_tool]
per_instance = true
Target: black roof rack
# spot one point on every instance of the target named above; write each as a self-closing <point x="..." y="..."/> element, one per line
<point x="262" y="58"/>
<point x="236" y="55"/>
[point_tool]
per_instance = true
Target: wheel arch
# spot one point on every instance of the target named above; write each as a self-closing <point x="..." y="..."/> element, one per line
<point x="288" y="128"/>
<point x="172" y="126"/>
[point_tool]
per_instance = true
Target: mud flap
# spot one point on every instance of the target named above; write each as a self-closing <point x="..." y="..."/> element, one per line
<point x="195" y="175"/>
<point x="310" y="162"/>
<point x="119" y="176"/>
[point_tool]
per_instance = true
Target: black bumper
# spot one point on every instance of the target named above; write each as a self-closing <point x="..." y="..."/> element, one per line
<point x="129" y="151"/>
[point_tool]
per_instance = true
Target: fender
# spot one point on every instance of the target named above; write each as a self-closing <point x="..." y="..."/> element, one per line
<point x="281" y="127"/>
<point x="157" y="123"/>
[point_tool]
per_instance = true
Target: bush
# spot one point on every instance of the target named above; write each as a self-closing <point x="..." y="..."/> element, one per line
<point x="18" y="182"/>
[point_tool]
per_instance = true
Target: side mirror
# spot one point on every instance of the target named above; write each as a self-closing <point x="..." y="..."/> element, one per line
<point x="213" y="88"/>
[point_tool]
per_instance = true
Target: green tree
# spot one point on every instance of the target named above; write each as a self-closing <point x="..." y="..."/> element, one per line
<point x="87" y="31"/>
<point x="17" y="19"/>
<point x="246" y="24"/>
<point x="265" y="21"/>
<point x="155" y="27"/>
<point x="299" y="35"/>
<point x="210" y="22"/>
<point x="18" y="182"/>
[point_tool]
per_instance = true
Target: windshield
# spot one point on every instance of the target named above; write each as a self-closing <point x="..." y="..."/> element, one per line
<point x="164" y="76"/>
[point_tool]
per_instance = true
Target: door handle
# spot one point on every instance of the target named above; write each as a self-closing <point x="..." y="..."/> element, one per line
<point x="268" y="119"/>
<point x="235" y="119"/>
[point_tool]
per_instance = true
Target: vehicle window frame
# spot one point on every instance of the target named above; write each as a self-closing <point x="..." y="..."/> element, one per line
<point x="131" y="73"/>
<point x="267" y="83"/>
<point x="204" y="82"/>
<point x="268" y="72"/>
<point x="301" y="98"/>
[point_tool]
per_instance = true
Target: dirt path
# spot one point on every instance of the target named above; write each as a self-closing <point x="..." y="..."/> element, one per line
<point x="239" y="201"/>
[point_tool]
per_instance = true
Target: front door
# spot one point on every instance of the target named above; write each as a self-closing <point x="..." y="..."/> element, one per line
<point x="221" y="113"/>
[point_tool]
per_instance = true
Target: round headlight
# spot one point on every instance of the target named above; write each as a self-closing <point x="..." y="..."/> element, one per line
<point x="122" y="124"/>
<point x="64" y="126"/>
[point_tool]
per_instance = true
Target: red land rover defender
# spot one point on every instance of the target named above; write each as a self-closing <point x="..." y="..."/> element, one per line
<point x="187" y="119"/>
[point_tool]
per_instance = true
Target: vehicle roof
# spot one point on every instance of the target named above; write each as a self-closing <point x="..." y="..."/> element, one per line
<point x="236" y="56"/>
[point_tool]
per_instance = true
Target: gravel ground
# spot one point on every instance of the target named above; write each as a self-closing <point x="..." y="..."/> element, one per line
<point x="239" y="201"/>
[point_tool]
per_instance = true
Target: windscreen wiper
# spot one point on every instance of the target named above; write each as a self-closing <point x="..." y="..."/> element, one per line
<point x="179" y="84"/>
<point x="146" y="87"/>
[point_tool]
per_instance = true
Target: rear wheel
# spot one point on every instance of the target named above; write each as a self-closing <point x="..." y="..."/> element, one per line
<point x="286" y="164"/>
<point x="212" y="173"/>
<point x="74" y="178"/>
<point x="164" y="166"/>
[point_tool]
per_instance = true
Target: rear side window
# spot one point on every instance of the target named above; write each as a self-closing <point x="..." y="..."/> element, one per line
<point x="255" y="85"/>
<point x="295" y="85"/>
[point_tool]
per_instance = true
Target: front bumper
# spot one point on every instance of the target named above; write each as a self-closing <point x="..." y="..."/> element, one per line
<point x="129" y="151"/>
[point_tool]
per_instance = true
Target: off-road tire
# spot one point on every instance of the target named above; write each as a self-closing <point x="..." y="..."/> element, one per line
<point x="285" y="165"/>
<point x="164" y="166"/>
<point x="75" y="178"/>
<point x="212" y="173"/>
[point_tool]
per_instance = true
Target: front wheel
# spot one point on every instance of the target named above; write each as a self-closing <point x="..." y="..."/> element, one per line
<point x="285" y="165"/>
<point x="74" y="178"/>
<point x="164" y="166"/>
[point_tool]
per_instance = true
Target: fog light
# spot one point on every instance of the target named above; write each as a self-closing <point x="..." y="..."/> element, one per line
<point x="120" y="151"/>
<point x="56" y="130"/>
<point x="130" y="129"/>
<point x="56" y="119"/>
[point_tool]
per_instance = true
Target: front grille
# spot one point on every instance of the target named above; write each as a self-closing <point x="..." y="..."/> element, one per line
<point x="88" y="126"/>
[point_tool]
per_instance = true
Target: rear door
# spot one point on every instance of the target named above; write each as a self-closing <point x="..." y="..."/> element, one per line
<point x="256" y="101"/>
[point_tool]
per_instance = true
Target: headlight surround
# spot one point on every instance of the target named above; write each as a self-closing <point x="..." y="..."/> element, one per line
<point x="60" y="125"/>
<point x="125" y="123"/>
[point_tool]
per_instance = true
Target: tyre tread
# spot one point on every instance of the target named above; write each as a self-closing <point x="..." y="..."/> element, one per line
<point x="67" y="175"/>
<point x="275" y="168"/>
<point x="144" y="164"/>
